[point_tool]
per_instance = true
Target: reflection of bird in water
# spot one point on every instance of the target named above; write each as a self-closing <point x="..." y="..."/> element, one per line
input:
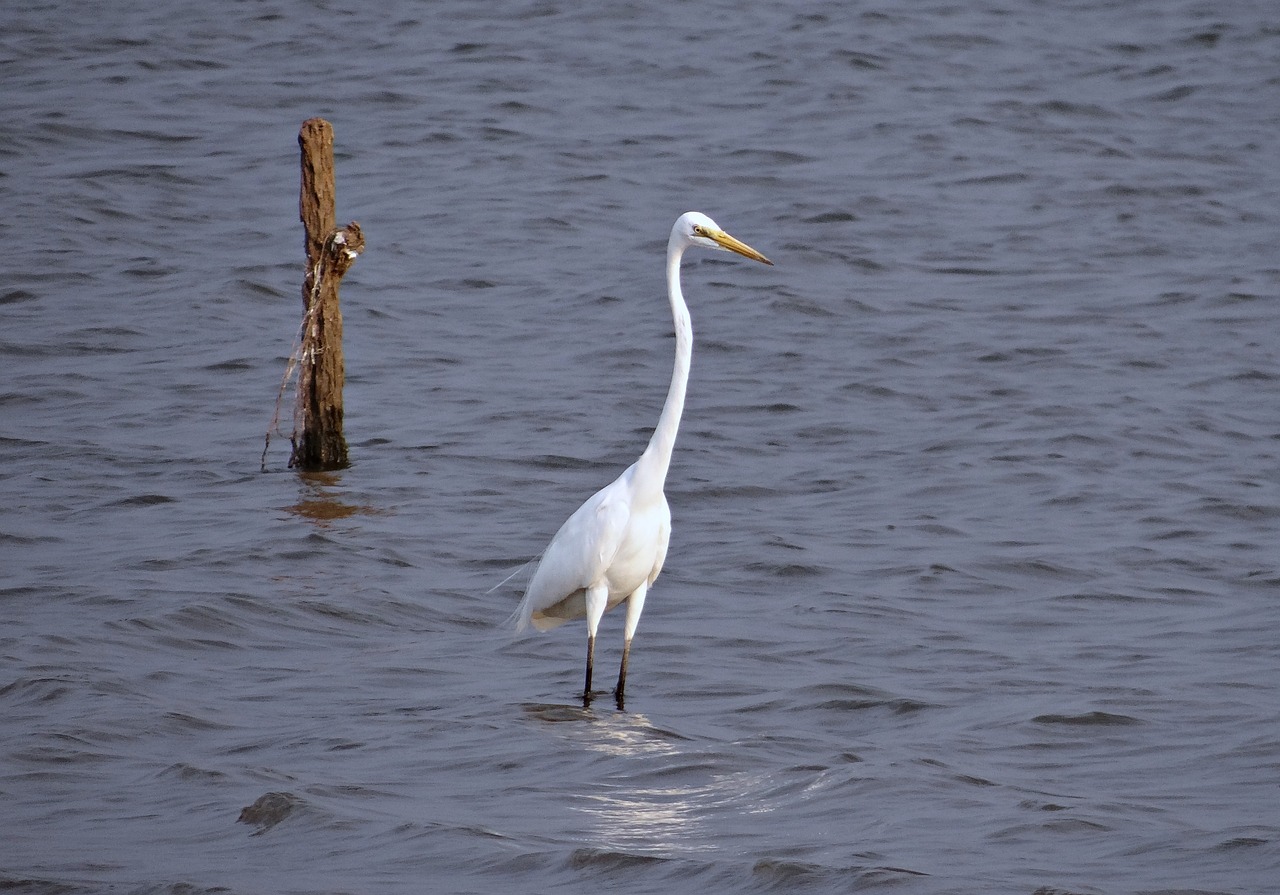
<point x="646" y="810"/>
<point x="627" y="735"/>
<point x="613" y="546"/>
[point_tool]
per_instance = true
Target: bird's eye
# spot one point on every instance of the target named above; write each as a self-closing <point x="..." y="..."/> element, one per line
<point x="699" y="230"/>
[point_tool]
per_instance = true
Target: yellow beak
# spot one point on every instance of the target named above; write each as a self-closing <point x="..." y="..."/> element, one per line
<point x="735" y="245"/>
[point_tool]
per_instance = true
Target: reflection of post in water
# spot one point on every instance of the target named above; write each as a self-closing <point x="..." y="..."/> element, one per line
<point x="321" y="507"/>
<point x="317" y="439"/>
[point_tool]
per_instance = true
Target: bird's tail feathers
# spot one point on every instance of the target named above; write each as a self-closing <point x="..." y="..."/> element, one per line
<point x="518" y="622"/>
<point x="524" y="572"/>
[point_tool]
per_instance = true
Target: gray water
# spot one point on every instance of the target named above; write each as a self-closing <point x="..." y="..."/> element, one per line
<point x="974" y="583"/>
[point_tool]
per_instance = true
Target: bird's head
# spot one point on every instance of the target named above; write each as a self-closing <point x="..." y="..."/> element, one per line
<point x="696" y="229"/>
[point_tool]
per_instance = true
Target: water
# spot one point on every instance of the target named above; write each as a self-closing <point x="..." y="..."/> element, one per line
<point x="973" y="585"/>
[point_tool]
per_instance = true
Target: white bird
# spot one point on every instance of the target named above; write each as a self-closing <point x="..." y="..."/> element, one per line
<point x="613" y="546"/>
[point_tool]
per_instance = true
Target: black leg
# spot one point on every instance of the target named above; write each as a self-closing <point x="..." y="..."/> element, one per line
<point x="620" y="692"/>
<point x="591" y="655"/>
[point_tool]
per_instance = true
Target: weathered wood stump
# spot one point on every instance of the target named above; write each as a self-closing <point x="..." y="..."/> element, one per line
<point x="317" y="439"/>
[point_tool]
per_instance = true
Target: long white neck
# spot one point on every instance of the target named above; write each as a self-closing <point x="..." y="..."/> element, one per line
<point x="656" y="459"/>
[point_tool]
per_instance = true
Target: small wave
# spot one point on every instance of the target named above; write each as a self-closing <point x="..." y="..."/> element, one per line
<point x="1088" y="719"/>
<point x="781" y="875"/>
<point x="611" y="860"/>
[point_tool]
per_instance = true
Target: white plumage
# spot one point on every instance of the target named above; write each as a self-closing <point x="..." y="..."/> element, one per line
<point x="613" y="546"/>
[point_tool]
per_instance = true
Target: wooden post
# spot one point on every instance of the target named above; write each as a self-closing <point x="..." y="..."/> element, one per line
<point x="330" y="252"/>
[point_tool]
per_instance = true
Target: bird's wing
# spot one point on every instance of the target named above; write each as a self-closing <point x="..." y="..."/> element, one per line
<point x="591" y="537"/>
<point x="581" y="552"/>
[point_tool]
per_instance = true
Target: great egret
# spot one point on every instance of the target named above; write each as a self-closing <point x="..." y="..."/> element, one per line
<point x="613" y="546"/>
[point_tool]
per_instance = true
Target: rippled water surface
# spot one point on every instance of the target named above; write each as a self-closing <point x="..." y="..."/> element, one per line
<point x="974" y="585"/>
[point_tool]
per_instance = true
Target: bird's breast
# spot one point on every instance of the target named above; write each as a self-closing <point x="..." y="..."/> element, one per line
<point x="641" y="552"/>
